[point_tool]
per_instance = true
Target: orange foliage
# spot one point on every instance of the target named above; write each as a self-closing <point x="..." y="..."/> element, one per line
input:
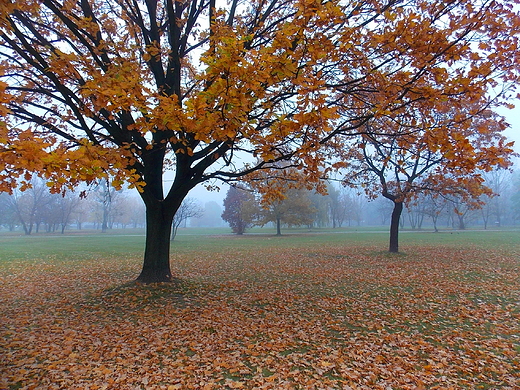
<point x="276" y="83"/>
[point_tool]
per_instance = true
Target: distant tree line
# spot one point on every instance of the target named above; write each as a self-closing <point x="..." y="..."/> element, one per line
<point x="243" y="208"/>
<point x="101" y="207"/>
<point x="343" y="206"/>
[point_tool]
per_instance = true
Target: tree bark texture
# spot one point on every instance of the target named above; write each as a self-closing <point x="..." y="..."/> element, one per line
<point x="394" y="227"/>
<point x="156" y="264"/>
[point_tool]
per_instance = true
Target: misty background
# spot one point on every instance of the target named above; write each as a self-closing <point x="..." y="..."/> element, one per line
<point x="104" y="208"/>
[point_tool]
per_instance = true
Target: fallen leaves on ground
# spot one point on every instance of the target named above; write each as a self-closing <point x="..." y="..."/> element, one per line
<point x="334" y="317"/>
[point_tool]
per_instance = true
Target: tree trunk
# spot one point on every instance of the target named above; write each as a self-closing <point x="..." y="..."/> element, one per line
<point x="462" y="225"/>
<point x="421" y="220"/>
<point x="434" y="219"/>
<point x="174" y="232"/>
<point x="156" y="265"/>
<point x="278" y="227"/>
<point x="104" y="224"/>
<point x="27" y="228"/>
<point x="394" y="227"/>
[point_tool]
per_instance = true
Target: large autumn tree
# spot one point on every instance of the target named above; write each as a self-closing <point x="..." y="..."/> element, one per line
<point x="134" y="89"/>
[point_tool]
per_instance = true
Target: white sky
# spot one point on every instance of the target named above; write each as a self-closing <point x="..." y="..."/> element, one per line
<point x="513" y="117"/>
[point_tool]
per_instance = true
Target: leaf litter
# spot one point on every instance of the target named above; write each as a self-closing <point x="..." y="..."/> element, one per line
<point x="336" y="317"/>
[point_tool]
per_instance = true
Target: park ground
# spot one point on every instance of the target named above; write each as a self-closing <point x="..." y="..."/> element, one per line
<point x="302" y="311"/>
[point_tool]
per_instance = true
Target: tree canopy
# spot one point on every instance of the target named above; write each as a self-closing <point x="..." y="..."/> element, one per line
<point x="134" y="89"/>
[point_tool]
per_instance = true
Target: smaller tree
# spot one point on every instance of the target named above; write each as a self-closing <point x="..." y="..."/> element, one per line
<point x="462" y="209"/>
<point x="337" y="216"/>
<point x="138" y="212"/>
<point x="240" y="209"/>
<point x="108" y="200"/>
<point x="416" y="213"/>
<point x="433" y="207"/>
<point x="66" y="206"/>
<point x="8" y="216"/>
<point x="286" y="195"/>
<point x="320" y="209"/>
<point x="31" y="203"/>
<point x="499" y="181"/>
<point x="189" y="208"/>
<point x="294" y="209"/>
<point x="81" y="212"/>
<point x="432" y="153"/>
<point x="344" y="206"/>
<point x="515" y="198"/>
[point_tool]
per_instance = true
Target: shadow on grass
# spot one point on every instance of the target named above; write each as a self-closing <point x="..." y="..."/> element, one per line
<point x="134" y="298"/>
<point x="176" y="291"/>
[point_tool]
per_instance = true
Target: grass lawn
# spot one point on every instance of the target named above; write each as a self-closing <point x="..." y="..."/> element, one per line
<point x="309" y="310"/>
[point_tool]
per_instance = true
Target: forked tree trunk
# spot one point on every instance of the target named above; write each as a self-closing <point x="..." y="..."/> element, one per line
<point x="394" y="227"/>
<point x="434" y="220"/>
<point x="156" y="265"/>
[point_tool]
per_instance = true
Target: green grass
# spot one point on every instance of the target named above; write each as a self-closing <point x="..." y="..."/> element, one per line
<point x="88" y="245"/>
<point x="68" y="247"/>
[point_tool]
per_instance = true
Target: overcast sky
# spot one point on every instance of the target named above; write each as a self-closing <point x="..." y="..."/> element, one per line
<point x="513" y="117"/>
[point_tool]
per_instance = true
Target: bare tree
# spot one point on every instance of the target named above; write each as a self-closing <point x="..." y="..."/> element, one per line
<point x="189" y="208"/>
<point x="30" y="205"/>
<point x="8" y="215"/>
<point x="433" y="207"/>
<point x="495" y="205"/>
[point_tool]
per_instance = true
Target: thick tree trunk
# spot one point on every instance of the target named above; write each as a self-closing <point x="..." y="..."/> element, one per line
<point x="278" y="226"/>
<point x="394" y="227"/>
<point x="156" y="266"/>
